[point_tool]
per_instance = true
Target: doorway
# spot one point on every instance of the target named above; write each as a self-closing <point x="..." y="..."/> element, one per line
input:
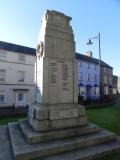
<point x="20" y="99"/>
<point x="88" y="92"/>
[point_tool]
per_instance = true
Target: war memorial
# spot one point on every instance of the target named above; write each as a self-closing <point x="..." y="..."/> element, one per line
<point x="56" y="127"/>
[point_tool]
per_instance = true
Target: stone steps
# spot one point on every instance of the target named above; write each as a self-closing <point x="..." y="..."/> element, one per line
<point x="22" y="150"/>
<point x="5" y="145"/>
<point x="33" y="136"/>
<point x="89" y="153"/>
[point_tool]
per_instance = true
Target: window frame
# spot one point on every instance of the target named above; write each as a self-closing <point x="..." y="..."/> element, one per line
<point x="20" y="96"/>
<point x="21" y="59"/>
<point x="2" y="94"/>
<point x="105" y="69"/>
<point x="105" y="79"/>
<point x="80" y="76"/>
<point x="3" y="56"/>
<point x="88" y="77"/>
<point x="110" y="80"/>
<point x="2" y="76"/>
<point x="95" y="77"/>
<point x="88" y="65"/>
<point x="82" y="90"/>
<point x="95" y="66"/>
<point x="20" y="76"/>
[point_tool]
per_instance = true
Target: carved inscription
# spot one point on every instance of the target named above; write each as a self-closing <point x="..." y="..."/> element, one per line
<point x="65" y="76"/>
<point x="63" y="113"/>
<point x="59" y="72"/>
<point x="52" y="73"/>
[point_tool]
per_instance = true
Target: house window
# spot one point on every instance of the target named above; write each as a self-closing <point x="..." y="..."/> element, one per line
<point x="95" y="66"/>
<point x="2" y="75"/>
<point x="96" y="91"/>
<point x="95" y="78"/>
<point x="20" y="96"/>
<point x="110" y="80"/>
<point x="80" y="76"/>
<point x="21" y="58"/>
<point x="80" y="62"/>
<point x="2" y="56"/>
<point x="88" y="65"/>
<point x="2" y="98"/>
<point x="114" y="91"/>
<point x="105" y="79"/>
<point x="110" y="71"/>
<point x="21" y="76"/>
<point x="105" y="90"/>
<point x="88" y="76"/>
<point x="105" y="69"/>
<point x="82" y="90"/>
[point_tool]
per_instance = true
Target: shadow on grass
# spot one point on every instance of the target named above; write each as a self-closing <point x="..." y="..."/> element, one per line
<point x="5" y="120"/>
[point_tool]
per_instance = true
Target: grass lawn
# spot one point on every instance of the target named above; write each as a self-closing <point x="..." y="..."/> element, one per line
<point x="108" y="118"/>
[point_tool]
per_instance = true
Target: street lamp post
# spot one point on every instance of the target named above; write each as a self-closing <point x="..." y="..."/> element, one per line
<point x="100" y="78"/>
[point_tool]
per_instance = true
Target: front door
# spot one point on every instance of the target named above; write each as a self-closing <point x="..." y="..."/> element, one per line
<point x="88" y="92"/>
<point x="20" y="100"/>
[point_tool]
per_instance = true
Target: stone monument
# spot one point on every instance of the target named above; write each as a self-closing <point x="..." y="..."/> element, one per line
<point x="56" y="127"/>
<point x="57" y="95"/>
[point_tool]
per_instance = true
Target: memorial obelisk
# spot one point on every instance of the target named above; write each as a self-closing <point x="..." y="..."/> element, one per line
<point x="56" y="93"/>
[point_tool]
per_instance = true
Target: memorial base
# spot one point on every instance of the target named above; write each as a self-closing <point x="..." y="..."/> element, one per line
<point x="52" y="117"/>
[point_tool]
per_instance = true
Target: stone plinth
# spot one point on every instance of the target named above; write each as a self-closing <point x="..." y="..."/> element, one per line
<point x="50" y="117"/>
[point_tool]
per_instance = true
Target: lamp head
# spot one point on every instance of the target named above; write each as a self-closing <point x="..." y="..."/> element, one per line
<point x="89" y="42"/>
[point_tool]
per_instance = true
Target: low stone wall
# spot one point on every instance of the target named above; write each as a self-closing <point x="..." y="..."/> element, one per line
<point x="10" y="111"/>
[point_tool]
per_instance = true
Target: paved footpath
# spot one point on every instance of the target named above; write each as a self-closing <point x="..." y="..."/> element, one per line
<point x="5" y="145"/>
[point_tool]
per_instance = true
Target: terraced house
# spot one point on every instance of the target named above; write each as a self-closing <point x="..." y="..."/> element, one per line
<point x="17" y="76"/>
<point x="89" y="77"/>
<point x="17" y="87"/>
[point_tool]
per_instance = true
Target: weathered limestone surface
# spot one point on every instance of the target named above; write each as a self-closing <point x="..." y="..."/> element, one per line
<point x="88" y="146"/>
<point x="89" y="153"/>
<point x="24" y="151"/>
<point x="34" y="137"/>
<point x="57" y="94"/>
<point x="56" y="63"/>
<point x="58" y="111"/>
<point x="56" y="116"/>
<point x="40" y="125"/>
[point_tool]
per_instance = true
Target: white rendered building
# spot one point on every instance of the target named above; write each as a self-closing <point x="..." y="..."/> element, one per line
<point x="17" y="86"/>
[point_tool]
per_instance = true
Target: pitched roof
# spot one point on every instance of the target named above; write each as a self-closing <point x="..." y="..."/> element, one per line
<point x="17" y="48"/>
<point x="32" y="51"/>
<point x="92" y="60"/>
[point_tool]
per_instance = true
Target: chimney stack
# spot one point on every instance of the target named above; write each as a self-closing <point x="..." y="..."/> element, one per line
<point x="89" y="54"/>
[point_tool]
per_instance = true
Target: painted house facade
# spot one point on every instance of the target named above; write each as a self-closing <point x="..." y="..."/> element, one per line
<point x="17" y="86"/>
<point x="107" y="80"/>
<point x="89" y="77"/>
<point x="115" y="84"/>
<point x="118" y="85"/>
